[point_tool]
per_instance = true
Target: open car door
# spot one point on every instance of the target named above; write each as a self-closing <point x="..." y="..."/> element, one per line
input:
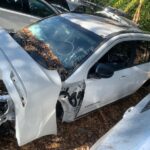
<point x="33" y="90"/>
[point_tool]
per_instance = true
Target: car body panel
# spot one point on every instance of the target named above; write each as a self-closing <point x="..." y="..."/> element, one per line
<point x="34" y="91"/>
<point x="98" y="25"/>
<point x="124" y="21"/>
<point x="94" y="96"/>
<point x="132" y="132"/>
<point x="82" y="72"/>
<point x="10" y="19"/>
<point x="121" y="84"/>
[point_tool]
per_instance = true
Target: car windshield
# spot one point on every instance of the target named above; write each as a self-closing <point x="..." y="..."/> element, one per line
<point x="58" y="43"/>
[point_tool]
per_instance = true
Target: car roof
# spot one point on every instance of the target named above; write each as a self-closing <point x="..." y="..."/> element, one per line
<point x="99" y="25"/>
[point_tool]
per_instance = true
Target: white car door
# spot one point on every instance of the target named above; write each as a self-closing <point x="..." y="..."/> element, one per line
<point x="33" y="89"/>
<point x="127" y="77"/>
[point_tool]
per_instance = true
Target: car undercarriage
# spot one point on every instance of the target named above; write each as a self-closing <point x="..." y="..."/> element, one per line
<point x="6" y="105"/>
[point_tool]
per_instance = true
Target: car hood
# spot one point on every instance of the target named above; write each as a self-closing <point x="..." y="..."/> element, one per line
<point x="33" y="90"/>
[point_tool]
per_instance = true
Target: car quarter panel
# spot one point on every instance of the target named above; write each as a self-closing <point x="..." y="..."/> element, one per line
<point x="33" y="91"/>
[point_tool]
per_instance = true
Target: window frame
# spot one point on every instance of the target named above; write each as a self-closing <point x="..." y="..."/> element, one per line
<point x="43" y="3"/>
<point x="147" y="45"/>
<point x="116" y="42"/>
<point x="131" y="59"/>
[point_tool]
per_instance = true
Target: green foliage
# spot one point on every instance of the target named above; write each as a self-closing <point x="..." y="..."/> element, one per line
<point x="145" y="16"/>
<point x="130" y="7"/>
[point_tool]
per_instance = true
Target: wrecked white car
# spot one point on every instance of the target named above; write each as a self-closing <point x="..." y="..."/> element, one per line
<point x="68" y="65"/>
<point x="132" y="132"/>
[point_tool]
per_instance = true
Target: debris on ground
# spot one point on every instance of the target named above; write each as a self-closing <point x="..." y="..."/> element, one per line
<point x="80" y="134"/>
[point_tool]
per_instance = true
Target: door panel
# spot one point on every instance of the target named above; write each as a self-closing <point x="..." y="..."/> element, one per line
<point x="125" y="81"/>
<point x="33" y="89"/>
<point x="100" y="92"/>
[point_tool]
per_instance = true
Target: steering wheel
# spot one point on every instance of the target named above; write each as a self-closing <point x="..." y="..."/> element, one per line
<point x="64" y="48"/>
<point x="75" y="58"/>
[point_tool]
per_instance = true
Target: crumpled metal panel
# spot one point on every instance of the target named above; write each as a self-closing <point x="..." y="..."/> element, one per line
<point x="33" y="90"/>
<point x="131" y="133"/>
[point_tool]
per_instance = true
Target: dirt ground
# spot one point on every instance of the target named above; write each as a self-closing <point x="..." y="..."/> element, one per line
<point x="79" y="135"/>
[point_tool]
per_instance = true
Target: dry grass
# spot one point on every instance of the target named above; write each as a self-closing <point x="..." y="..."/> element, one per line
<point x="81" y="134"/>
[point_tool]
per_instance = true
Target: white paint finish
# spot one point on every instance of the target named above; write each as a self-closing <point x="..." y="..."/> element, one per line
<point x="70" y="111"/>
<point x="15" y="20"/>
<point x="122" y="20"/>
<point x="23" y="77"/>
<point x="131" y="133"/>
<point x="123" y="83"/>
<point x="31" y="78"/>
<point x="98" y="25"/>
<point x="81" y="73"/>
<point x="100" y="92"/>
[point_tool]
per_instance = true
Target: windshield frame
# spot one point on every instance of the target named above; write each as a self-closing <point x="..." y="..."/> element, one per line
<point x="70" y="72"/>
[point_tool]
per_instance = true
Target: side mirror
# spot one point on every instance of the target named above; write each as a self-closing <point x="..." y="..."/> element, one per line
<point x="104" y="71"/>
